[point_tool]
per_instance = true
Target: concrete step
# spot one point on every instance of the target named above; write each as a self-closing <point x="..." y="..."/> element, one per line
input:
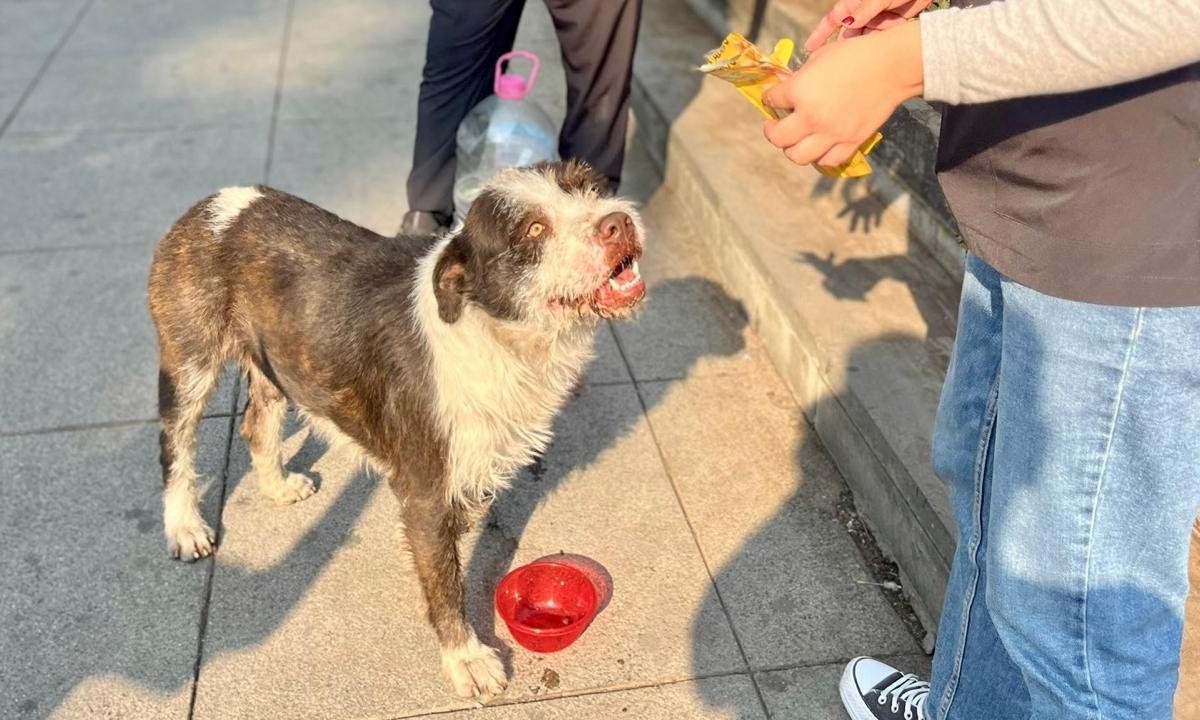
<point x="851" y="304"/>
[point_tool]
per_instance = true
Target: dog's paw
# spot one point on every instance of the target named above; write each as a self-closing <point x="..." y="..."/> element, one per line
<point x="190" y="541"/>
<point x="475" y="670"/>
<point x="291" y="489"/>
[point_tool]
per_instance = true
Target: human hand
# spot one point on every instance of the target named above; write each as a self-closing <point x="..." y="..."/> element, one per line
<point x="860" y="17"/>
<point x="843" y="94"/>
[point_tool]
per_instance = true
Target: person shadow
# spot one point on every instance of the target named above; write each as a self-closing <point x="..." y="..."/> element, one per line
<point x="498" y="532"/>
<point x="808" y="590"/>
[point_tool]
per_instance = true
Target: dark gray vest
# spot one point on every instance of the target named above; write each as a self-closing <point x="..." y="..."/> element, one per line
<point x="1091" y="196"/>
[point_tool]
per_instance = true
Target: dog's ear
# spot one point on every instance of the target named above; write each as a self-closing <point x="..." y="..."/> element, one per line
<point x="450" y="281"/>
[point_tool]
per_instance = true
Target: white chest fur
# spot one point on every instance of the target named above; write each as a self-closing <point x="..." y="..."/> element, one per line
<point x="498" y="388"/>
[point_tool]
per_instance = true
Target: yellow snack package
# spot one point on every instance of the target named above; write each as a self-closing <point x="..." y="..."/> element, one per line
<point x="752" y="72"/>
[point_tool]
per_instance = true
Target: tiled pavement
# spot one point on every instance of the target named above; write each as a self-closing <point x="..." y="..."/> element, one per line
<point x="684" y="466"/>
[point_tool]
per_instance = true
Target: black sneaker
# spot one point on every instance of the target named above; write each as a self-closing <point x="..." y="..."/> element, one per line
<point x="872" y="690"/>
<point x="421" y="222"/>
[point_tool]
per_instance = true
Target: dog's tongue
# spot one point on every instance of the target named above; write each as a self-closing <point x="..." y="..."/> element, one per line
<point x="627" y="276"/>
<point x="625" y="288"/>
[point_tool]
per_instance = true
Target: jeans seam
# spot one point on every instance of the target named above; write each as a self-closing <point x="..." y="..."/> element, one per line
<point x="1112" y="431"/>
<point x="985" y="441"/>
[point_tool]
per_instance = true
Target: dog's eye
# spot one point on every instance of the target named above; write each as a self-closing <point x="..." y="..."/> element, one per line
<point x="535" y="230"/>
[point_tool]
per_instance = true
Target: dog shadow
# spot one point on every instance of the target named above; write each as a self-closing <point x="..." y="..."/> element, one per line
<point x="673" y="302"/>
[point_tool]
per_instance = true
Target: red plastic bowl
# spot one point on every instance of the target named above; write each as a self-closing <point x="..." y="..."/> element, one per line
<point x="546" y="605"/>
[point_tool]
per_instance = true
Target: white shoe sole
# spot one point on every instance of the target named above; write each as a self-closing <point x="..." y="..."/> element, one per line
<point x="852" y="701"/>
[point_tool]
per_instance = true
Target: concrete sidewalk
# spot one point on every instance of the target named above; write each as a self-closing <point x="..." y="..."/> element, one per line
<point x="685" y="466"/>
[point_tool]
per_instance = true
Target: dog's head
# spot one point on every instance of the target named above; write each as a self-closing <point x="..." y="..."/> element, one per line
<point x="544" y="243"/>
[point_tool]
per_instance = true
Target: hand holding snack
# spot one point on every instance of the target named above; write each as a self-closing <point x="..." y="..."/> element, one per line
<point x="754" y="73"/>
<point x="844" y="93"/>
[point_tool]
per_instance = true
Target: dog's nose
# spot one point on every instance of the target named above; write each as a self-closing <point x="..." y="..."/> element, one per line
<point x="614" y="225"/>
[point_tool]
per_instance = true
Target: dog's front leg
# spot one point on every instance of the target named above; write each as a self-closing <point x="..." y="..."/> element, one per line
<point x="432" y="527"/>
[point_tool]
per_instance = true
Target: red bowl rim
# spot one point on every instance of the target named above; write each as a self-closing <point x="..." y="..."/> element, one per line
<point x="514" y="625"/>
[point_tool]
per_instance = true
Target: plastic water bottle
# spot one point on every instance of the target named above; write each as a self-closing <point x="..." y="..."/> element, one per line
<point x="507" y="129"/>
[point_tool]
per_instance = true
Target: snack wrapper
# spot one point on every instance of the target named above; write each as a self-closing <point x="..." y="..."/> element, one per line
<point x="753" y="72"/>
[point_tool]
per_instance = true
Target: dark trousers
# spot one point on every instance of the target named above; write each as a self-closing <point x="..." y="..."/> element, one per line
<point x="467" y="37"/>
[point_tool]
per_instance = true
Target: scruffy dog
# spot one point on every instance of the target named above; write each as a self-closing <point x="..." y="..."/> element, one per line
<point x="445" y="360"/>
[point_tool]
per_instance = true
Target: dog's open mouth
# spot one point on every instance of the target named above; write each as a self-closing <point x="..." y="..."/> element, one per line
<point x="623" y="289"/>
<point x="617" y="295"/>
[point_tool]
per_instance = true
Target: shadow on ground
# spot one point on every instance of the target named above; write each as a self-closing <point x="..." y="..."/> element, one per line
<point x="512" y="512"/>
<point x="130" y="623"/>
<point x="805" y="590"/>
<point x="852" y="278"/>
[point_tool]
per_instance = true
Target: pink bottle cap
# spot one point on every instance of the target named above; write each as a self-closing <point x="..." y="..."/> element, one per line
<point x="511" y="86"/>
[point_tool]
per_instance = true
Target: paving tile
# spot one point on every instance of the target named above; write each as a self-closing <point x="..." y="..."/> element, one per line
<point x="689" y="325"/>
<point x="327" y="576"/>
<point x="149" y="27"/>
<point x="76" y="342"/>
<point x="761" y="495"/>
<point x="15" y="75"/>
<point x="174" y="87"/>
<point x="811" y="693"/>
<point x="359" y="23"/>
<point x="33" y="27"/>
<point x="106" y="625"/>
<point x="74" y="189"/>
<point x="601" y="492"/>
<point x="724" y="698"/>
<point x="354" y="83"/>
<point x="354" y="168"/>
<point x="313" y="612"/>
<point x="608" y="367"/>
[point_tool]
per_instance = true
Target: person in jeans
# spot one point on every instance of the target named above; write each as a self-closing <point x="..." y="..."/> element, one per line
<point x="1069" y="426"/>
<point x="467" y="37"/>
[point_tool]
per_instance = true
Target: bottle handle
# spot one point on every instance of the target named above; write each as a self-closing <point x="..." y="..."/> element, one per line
<point x="518" y="54"/>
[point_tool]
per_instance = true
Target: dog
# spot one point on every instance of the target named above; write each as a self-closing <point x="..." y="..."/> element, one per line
<point x="444" y="359"/>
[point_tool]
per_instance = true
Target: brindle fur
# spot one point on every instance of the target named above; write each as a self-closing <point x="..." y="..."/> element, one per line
<point x="318" y="312"/>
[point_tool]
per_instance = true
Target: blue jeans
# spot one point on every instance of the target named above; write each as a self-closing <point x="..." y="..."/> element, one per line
<point x="1069" y="437"/>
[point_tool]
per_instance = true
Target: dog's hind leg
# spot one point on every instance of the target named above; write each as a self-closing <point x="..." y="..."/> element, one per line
<point x="183" y="393"/>
<point x="262" y="427"/>
<point x="432" y="528"/>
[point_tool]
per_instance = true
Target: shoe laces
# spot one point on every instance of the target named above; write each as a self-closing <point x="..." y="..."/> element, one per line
<point x="910" y="691"/>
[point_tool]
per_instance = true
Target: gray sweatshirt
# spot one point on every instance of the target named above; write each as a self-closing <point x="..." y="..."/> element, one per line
<point x="1020" y="48"/>
<point x="1070" y="151"/>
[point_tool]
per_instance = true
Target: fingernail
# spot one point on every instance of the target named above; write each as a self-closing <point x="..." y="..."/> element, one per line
<point x="848" y="20"/>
